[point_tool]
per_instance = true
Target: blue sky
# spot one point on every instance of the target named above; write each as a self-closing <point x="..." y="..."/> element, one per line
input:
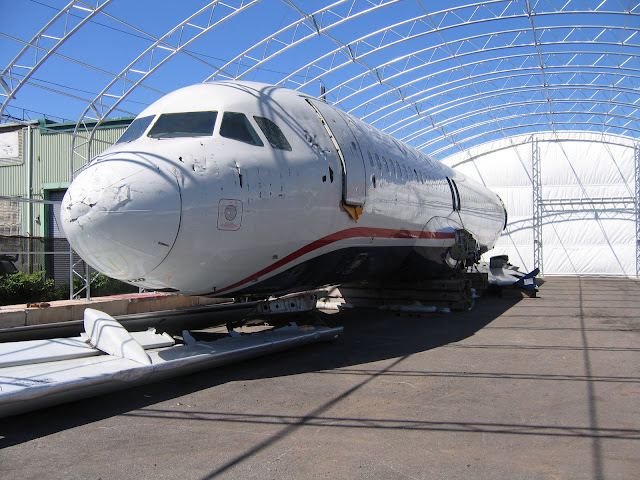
<point x="109" y="46"/>
<point x="472" y="75"/>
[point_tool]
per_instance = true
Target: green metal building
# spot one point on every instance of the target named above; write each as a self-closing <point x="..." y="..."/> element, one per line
<point x="36" y="167"/>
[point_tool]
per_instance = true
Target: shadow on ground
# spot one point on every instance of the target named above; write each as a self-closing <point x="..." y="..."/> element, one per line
<point x="368" y="336"/>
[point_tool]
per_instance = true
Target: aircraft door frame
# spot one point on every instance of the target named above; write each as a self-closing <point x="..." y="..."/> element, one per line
<point x="354" y="175"/>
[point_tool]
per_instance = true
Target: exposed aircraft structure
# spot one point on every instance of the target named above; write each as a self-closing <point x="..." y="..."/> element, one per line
<point x="106" y="358"/>
<point x="241" y="188"/>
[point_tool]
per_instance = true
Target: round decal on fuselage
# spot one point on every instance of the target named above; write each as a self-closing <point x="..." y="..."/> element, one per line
<point x="229" y="214"/>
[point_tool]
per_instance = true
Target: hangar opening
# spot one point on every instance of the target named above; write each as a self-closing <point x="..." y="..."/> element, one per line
<point x="572" y="199"/>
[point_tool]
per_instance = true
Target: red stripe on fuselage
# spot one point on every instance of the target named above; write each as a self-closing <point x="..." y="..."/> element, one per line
<point x="357" y="232"/>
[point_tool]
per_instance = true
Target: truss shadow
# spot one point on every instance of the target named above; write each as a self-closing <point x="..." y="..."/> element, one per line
<point x="368" y="336"/>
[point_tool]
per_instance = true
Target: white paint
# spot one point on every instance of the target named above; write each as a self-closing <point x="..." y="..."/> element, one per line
<point x="10" y="147"/>
<point x="107" y="335"/>
<point x="284" y="200"/>
<point x="586" y="239"/>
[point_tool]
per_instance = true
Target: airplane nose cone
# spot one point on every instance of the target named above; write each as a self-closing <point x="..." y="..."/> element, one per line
<point x="122" y="216"/>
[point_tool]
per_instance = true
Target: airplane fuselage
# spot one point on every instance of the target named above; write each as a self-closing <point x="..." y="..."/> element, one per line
<point x="239" y="188"/>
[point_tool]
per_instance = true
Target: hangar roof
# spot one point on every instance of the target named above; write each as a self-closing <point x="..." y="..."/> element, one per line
<point x="442" y="76"/>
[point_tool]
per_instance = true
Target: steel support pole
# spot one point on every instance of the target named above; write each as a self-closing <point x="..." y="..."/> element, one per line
<point x="536" y="188"/>
<point x="636" y="158"/>
<point x="75" y="272"/>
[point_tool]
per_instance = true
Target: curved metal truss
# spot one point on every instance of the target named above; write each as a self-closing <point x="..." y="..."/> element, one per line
<point x="441" y="79"/>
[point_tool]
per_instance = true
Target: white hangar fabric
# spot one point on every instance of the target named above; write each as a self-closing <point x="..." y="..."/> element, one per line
<point x="571" y="200"/>
<point x="539" y="99"/>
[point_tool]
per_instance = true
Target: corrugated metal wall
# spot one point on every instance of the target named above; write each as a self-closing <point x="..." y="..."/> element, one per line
<point x="51" y="153"/>
<point x="13" y="178"/>
<point x="50" y="173"/>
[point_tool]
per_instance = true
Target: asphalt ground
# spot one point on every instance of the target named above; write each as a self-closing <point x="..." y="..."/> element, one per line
<point x="531" y="388"/>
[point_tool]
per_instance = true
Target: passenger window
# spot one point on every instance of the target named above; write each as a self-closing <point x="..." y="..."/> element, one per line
<point x="237" y="127"/>
<point x="273" y="133"/>
<point x="378" y="163"/>
<point x="370" y="158"/>
<point x="187" y="124"/>
<point x="387" y="165"/>
<point x="136" y="129"/>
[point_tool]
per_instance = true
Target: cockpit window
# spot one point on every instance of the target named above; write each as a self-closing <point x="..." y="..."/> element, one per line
<point x="273" y="133"/>
<point x="237" y="127"/>
<point x="136" y="129"/>
<point x="187" y="124"/>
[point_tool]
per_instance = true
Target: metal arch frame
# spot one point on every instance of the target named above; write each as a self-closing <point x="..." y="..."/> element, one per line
<point x="354" y="46"/>
<point x="160" y="44"/>
<point x="624" y="29"/>
<point x="435" y="47"/>
<point x="569" y="121"/>
<point x="490" y="35"/>
<point x="72" y="60"/>
<point x="531" y="126"/>
<point x="514" y="104"/>
<point x="544" y="137"/>
<point x="542" y="72"/>
<point x="507" y="73"/>
<point x="502" y="74"/>
<point x="436" y="29"/>
<point x="572" y="125"/>
<point x="318" y="28"/>
<point x="460" y="101"/>
<point x="35" y="44"/>
<point x="443" y="107"/>
<point x="352" y="56"/>
<point x="636" y="158"/>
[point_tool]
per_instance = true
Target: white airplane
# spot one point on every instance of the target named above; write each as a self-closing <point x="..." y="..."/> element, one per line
<point x="242" y="188"/>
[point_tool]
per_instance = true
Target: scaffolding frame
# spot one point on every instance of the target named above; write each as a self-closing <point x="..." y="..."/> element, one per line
<point x="636" y="158"/>
<point x="536" y="188"/>
<point x="542" y="206"/>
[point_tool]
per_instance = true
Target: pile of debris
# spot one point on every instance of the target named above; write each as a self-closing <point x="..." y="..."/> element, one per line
<point x="431" y="296"/>
<point x="407" y="297"/>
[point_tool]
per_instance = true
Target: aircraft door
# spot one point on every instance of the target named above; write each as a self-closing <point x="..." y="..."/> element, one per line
<point x="354" y="175"/>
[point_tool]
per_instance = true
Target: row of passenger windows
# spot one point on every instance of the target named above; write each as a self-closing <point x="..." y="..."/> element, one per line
<point x="397" y="169"/>
<point x="234" y="125"/>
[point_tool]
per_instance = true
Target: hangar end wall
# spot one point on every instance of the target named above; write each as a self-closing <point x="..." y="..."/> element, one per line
<point x="572" y="200"/>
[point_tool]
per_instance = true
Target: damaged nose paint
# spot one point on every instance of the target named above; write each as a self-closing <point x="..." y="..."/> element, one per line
<point x="122" y="216"/>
